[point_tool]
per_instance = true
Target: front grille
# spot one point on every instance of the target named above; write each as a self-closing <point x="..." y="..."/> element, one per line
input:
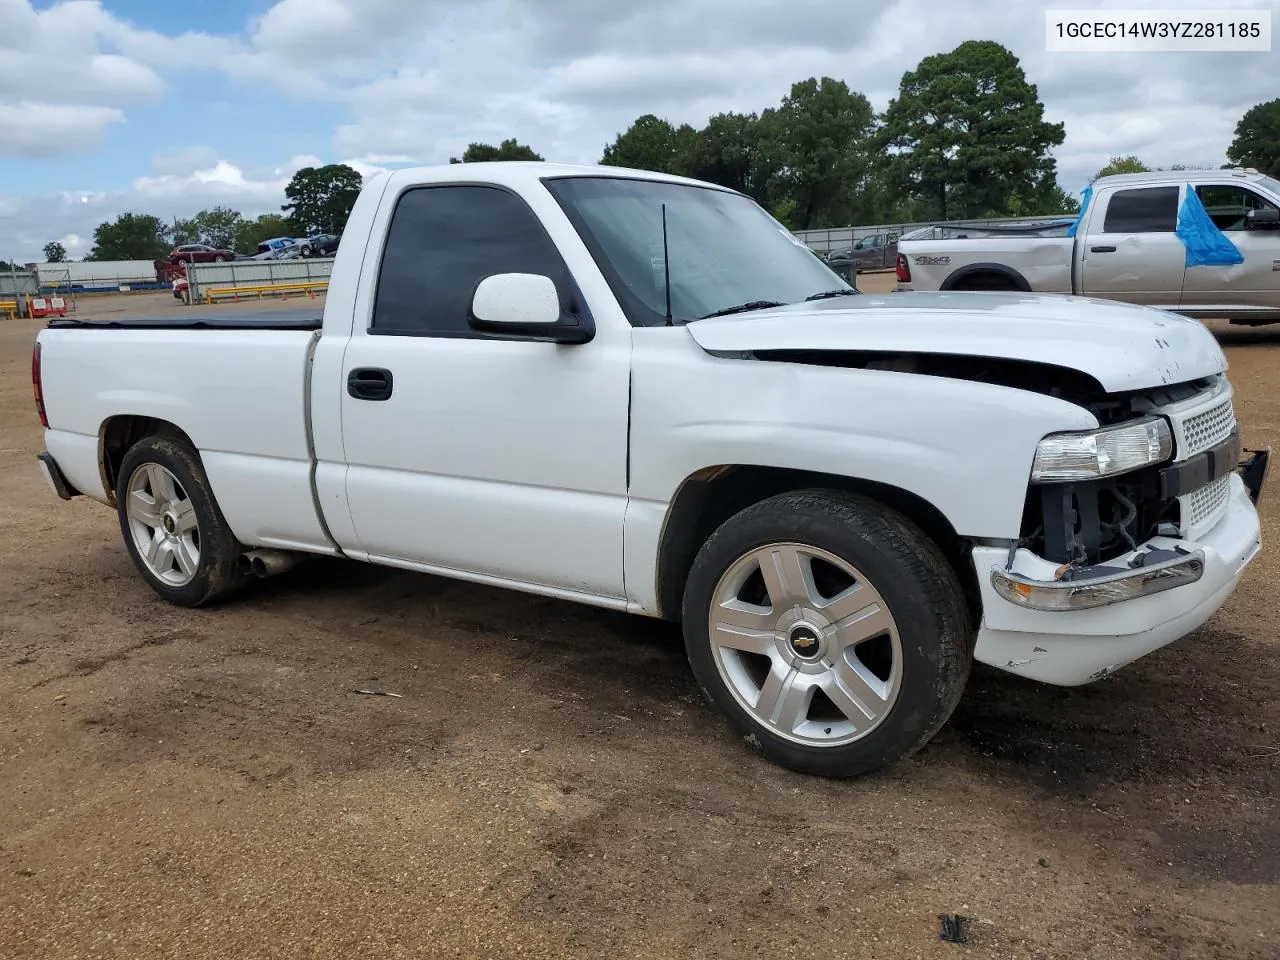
<point x="1200" y="508"/>
<point x="1207" y="429"/>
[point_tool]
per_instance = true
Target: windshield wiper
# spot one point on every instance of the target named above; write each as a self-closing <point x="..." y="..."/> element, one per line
<point x="828" y="294"/>
<point x="743" y="308"/>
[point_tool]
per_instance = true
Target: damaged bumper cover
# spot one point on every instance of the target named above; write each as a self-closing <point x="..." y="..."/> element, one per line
<point x="1071" y="626"/>
<point x="1149" y="571"/>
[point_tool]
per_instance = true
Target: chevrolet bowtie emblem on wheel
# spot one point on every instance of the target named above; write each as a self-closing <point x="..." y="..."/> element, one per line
<point x="805" y="642"/>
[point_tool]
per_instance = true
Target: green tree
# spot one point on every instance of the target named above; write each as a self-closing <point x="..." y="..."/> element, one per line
<point x="131" y="236"/>
<point x="184" y="230"/>
<point x="815" y="148"/>
<point x="55" y="252"/>
<point x="1045" y="199"/>
<point x="218" y="227"/>
<point x="651" y="143"/>
<point x="507" y="150"/>
<point x="1126" y="164"/>
<point x="250" y="233"/>
<point x="1257" y="139"/>
<point x="321" y="198"/>
<point x="968" y="131"/>
<point x="727" y="151"/>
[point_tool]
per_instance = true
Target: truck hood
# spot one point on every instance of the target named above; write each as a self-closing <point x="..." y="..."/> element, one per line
<point x="1121" y="346"/>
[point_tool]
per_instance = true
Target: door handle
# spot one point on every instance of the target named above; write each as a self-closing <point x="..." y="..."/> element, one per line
<point x="1102" y="249"/>
<point x="370" y="383"/>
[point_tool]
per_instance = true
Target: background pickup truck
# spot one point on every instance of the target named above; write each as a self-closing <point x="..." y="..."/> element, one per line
<point x="642" y="392"/>
<point x="876" y="251"/>
<point x="1125" y="248"/>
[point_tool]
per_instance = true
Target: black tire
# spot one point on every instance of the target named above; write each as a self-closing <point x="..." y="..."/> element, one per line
<point x="915" y="581"/>
<point x="217" y="573"/>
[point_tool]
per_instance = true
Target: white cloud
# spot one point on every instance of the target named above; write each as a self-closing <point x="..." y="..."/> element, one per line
<point x="59" y="86"/>
<point x="44" y="129"/>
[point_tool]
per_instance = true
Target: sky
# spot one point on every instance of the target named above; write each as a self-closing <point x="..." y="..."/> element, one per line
<point x="154" y="106"/>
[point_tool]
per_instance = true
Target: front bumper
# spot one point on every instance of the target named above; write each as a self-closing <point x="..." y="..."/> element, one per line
<point x="1071" y="647"/>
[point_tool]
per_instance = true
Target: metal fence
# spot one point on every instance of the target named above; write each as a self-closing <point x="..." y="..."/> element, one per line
<point x="202" y="278"/>
<point x="16" y="283"/>
<point x="834" y="238"/>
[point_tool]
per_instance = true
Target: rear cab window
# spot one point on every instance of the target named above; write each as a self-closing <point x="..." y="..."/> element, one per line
<point x="1142" y="210"/>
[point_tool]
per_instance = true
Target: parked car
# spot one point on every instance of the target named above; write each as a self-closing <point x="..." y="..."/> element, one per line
<point x="200" y="253"/>
<point x="180" y="288"/>
<point x="277" y="248"/>
<point x="320" y="245"/>
<point x="876" y="251"/>
<point x="1126" y="247"/>
<point x="844" y="499"/>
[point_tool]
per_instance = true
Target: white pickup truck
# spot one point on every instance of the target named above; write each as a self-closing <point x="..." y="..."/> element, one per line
<point x="641" y="392"/>
<point x="1125" y="247"/>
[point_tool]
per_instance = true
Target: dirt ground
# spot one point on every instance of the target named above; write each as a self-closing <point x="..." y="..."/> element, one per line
<point x="206" y="784"/>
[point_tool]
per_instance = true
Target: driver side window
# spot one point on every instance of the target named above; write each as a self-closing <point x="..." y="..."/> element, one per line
<point x="1227" y="205"/>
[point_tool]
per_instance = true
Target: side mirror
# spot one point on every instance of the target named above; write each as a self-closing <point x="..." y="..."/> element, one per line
<point x="524" y="306"/>
<point x="1262" y="218"/>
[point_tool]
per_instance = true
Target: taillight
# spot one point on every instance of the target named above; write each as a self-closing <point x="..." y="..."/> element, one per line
<point x="902" y="269"/>
<point x="35" y="386"/>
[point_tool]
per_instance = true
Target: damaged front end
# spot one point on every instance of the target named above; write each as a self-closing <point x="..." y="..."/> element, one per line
<point x="1115" y="513"/>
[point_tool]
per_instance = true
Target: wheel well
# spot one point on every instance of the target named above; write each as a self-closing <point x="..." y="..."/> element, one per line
<point x="976" y="276"/>
<point x="710" y="497"/>
<point x="119" y="434"/>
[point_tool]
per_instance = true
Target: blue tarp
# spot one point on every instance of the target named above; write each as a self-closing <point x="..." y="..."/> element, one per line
<point x="1084" y="205"/>
<point x="1206" y="245"/>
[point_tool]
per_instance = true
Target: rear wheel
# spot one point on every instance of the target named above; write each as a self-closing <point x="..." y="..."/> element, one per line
<point x="829" y="630"/>
<point x="172" y="526"/>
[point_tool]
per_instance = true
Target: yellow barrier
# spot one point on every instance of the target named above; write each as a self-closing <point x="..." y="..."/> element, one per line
<point x="9" y="307"/>
<point x="258" y="290"/>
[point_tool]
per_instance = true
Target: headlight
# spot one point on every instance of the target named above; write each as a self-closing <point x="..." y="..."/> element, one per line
<point x="1102" y="453"/>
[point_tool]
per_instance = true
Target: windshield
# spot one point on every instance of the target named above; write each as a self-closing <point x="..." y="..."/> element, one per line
<point x="725" y="250"/>
<point x="1272" y="184"/>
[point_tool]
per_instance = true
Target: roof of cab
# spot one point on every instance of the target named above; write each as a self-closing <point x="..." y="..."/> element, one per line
<point x="526" y="171"/>
<point x="1181" y="176"/>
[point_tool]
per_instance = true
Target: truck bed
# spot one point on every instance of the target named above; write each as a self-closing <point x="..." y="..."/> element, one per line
<point x="242" y="400"/>
<point x="225" y="319"/>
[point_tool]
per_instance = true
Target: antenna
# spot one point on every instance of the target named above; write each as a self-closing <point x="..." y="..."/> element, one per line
<point x="666" y="263"/>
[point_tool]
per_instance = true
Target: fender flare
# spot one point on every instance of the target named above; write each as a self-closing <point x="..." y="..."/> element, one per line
<point x="1018" y="280"/>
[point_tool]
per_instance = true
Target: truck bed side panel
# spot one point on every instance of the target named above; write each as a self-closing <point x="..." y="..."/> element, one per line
<point x="1044" y="262"/>
<point x="237" y="394"/>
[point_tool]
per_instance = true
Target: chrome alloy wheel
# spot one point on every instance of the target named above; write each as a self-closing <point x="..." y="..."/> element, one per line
<point x="805" y="644"/>
<point x="162" y="521"/>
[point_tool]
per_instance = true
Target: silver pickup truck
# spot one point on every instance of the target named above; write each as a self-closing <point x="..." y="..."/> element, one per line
<point x="1125" y="246"/>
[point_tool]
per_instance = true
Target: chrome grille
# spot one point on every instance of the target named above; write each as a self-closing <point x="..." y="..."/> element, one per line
<point x="1207" y="429"/>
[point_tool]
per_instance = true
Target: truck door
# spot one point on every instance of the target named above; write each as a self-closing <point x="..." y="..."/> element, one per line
<point x="1241" y="290"/>
<point x="499" y="458"/>
<point x="1131" y="252"/>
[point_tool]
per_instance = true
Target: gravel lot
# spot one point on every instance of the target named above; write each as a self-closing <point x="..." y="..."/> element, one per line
<point x="206" y="784"/>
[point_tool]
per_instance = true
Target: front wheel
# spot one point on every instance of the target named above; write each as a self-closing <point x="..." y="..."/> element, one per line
<point x="172" y="526"/>
<point x="830" y="631"/>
